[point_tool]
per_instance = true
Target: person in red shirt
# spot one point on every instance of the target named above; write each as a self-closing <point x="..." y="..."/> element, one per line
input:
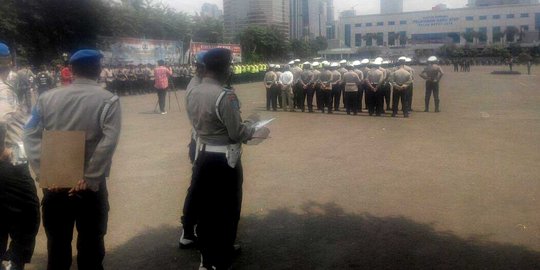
<point x="66" y="75"/>
<point x="161" y="83"/>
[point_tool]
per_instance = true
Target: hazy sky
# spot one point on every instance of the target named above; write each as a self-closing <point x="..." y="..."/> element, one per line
<point x="363" y="6"/>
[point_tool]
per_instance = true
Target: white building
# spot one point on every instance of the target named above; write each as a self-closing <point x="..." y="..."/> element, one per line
<point x="433" y="28"/>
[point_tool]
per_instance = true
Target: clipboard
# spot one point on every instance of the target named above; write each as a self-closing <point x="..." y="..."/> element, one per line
<point x="62" y="158"/>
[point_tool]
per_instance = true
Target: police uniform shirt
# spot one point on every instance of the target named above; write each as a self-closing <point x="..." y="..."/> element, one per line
<point x="336" y="77"/>
<point x="297" y="73"/>
<point x="316" y="75"/>
<point x="410" y="70"/>
<point x="77" y="107"/>
<point x="342" y="71"/>
<point x="351" y="80"/>
<point x="326" y="77"/>
<point x="365" y="71"/>
<point x="375" y="76"/>
<point x="307" y="77"/>
<point x="401" y="77"/>
<point x="433" y="72"/>
<point x="359" y="73"/>
<point x="270" y="78"/>
<point x="211" y="130"/>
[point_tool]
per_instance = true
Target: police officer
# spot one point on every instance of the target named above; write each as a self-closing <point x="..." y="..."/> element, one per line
<point x="217" y="172"/>
<point x="298" y="88"/>
<point x="410" y="88"/>
<point x="336" y="85"/>
<point x="19" y="204"/>
<point x="43" y="80"/>
<point x="342" y="70"/>
<point x="278" y="86"/>
<point x="96" y="112"/>
<point x="373" y="89"/>
<point x="270" y="83"/>
<point x="286" y="81"/>
<point x="387" y="86"/>
<point x="306" y="80"/>
<point x="357" y="69"/>
<point x="432" y="74"/>
<point x="401" y="78"/>
<point x="351" y="81"/>
<point x="363" y="90"/>
<point x="325" y="80"/>
<point x="316" y="87"/>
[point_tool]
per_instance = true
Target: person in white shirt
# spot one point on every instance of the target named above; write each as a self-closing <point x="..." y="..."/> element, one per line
<point x="286" y="80"/>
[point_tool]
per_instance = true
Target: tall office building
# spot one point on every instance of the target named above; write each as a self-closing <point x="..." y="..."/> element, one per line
<point x="485" y="3"/>
<point x="391" y="6"/>
<point x="239" y="14"/>
<point x="330" y="20"/>
<point x="211" y="11"/>
<point x="308" y="18"/>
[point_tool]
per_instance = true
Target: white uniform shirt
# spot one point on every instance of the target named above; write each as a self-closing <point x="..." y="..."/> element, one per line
<point x="286" y="78"/>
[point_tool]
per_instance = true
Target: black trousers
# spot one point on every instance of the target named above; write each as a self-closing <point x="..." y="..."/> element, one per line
<point x="310" y="92"/>
<point x="432" y="87"/>
<point x="409" y="96"/>
<point x="327" y="100"/>
<point x="336" y="96"/>
<point x="318" y="97"/>
<point x="360" y="95"/>
<point x="375" y="102"/>
<point x="162" y="94"/>
<point x="396" y="97"/>
<point x="275" y="91"/>
<point x="351" y="102"/>
<point x="19" y="210"/>
<point x="88" y="211"/>
<point x="268" y="98"/>
<point x="298" y="93"/>
<point x="217" y="195"/>
<point x="387" y="92"/>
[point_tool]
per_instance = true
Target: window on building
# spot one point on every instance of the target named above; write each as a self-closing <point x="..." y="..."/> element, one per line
<point x="380" y="39"/>
<point x="402" y="22"/>
<point x="369" y="24"/>
<point x="402" y="38"/>
<point x="497" y="34"/>
<point x="482" y="18"/>
<point x="509" y="16"/>
<point x="469" y="18"/>
<point x="357" y="40"/>
<point x="391" y="38"/>
<point x="348" y="35"/>
<point x="358" y="25"/>
<point x="380" y="24"/>
<point x="524" y="28"/>
<point x="496" y="17"/>
<point x="391" y="23"/>
<point x="482" y="34"/>
<point x="524" y="15"/>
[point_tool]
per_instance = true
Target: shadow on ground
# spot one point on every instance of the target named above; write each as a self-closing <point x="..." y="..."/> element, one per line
<point x="325" y="237"/>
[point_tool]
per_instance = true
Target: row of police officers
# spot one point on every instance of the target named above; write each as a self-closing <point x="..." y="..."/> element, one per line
<point x="377" y="82"/>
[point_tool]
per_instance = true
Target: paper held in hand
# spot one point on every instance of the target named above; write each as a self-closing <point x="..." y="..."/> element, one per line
<point x="62" y="158"/>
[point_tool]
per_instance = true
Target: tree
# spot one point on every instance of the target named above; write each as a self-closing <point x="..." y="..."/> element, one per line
<point x="263" y="44"/>
<point x="207" y="30"/>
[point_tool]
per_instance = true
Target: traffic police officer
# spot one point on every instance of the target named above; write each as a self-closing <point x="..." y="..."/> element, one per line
<point x="81" y="106"/>
<point x="432" y="74"/>
<point x="351" y="81"/>
<point x="306" y="79"/>
<point x="342" y="70"/>
<point x="336" y="86"/>
<point x="298" y="88"/>
<point x="325" y="80"/>
<point x="270" y="83"/>
<point x="373" y="89"/>
<point x="401" y="78"/>
<point x="316" y="87"/>
<point x="217" y="172"/>
<point x="411" y="85"/>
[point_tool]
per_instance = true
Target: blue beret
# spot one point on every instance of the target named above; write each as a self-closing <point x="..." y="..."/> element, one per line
<point x="85" y="56"/>
<point x="217" y="59"/>
<point x="4" y="49"/>
<point x="199" y="57"/>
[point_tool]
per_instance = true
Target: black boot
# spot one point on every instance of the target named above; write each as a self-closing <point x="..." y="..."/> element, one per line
<point x="427" y="106"/>
<point x="437" y="106"/>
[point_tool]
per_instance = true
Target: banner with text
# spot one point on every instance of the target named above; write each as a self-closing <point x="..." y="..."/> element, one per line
<point x="197" y="47"/>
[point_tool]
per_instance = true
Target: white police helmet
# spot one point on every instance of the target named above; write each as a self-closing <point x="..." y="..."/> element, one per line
<point x="402" y="59"/>
<point x="364" y="61"/>
<point x="306" y="63"/>
<point x="325" y="63"/>
<point x="408" y="60"/>
<point x="278" y="66"/>
<point x="343" y="62"/>
<point x="432" y="59"/>
<point x="334" y="64"/>
<point x="296" y="60"/>
<point x="272" y="65"/>
<point x="291" y="63"/>
<point x="315" y="64"/>
<point x="356" y="63"/>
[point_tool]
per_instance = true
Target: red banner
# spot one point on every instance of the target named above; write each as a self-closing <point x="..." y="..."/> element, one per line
<point x="197" y="47"/>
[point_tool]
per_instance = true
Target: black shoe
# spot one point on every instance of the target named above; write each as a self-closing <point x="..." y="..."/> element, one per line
<point x="187" y="240"/>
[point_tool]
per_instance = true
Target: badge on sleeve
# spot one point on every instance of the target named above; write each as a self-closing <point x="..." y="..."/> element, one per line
<point x="233" y="100"/>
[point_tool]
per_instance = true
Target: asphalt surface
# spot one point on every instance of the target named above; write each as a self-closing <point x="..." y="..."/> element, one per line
<point x="458" y="189"/>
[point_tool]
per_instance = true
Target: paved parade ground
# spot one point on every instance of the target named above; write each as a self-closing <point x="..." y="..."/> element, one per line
<point x="458" y="189"/>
